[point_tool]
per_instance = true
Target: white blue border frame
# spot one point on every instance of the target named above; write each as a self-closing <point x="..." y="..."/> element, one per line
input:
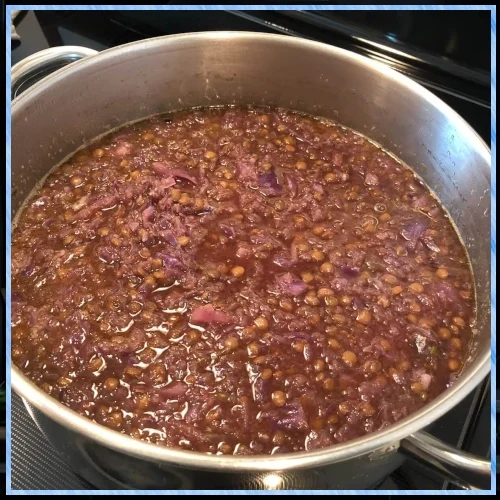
<point x="490" y="8"/>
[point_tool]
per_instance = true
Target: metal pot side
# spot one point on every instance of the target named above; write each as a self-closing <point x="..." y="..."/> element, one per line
<point x="92" y="96"/>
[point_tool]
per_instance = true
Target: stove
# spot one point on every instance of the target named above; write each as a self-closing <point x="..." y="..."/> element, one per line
<point x="453" y="63"/>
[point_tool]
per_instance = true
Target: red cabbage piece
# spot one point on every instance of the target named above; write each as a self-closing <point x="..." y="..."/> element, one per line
<point x="198" y="410"/>
<point x="245" y="412"/>
<point x="291" y="417"/>
<point x="107" y="254"/>
<point x="162" y="168"/>
<point x="297" y="287"/>
<point x="412" y="232"/>
<point x="371" y="179"/>
<point x="228" y="230"/>
<point x="294" y="251"/>
<point x="78" y="327"/>
<point x="296" y="335"/>
<point x="423" y="332"/>
<point x="420" y="375"/>
<point x="446" y="292"/>
<point x="161" y="186"/>
<point x="96" y="204"/>
<point x="318" y="188"/>
<point x="207" y="314"/>
<point x="358" y="304"/>
<point x="261" y="238"/>
<point x="183" y="175"/>
<point x="429" y="243"/>
<point x="284" y="261"/>
<point x="21" y="262"/>
<point x="147" y="214"/>
<point x="204" y="182"/>
<point x="165" y="169"/>
<point x="174" y="390"/>
<point x="370" y="390"/>
<point x="288" y="285"/>
<point x="247" y="170"/>
<point x="318" y="439"/>
<point x="82" y="202"/>
<point x="291" y="184"/>
<point x="268" y="184"/>
<point x="350" y="272"/>
<point x="169" y="237"/>
<point x="133" y="226"/>
<point x="130" y="359"/>
<point x="123" y="149"/>
<point x="171" y="262"/>
<point x="47" y="223"/>
<point x="426" y="380"/>
<point x="243" y="252"/>
<point x="260" y="391"/>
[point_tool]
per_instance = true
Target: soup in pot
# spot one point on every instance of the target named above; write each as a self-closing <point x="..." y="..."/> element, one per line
<point x="239" y="281"/>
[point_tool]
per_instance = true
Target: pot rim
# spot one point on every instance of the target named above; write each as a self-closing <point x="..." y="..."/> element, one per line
<point x="386" y="438"/>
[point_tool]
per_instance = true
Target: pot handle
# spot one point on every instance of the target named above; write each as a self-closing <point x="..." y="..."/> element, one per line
<point x="459" y="467"/>
<point x="43" y="63"/>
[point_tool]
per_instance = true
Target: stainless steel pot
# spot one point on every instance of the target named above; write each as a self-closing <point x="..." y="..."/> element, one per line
<point x="92" y="96"/>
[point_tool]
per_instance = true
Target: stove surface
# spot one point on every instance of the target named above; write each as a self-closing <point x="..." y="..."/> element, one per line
<point x="446" y="65"/>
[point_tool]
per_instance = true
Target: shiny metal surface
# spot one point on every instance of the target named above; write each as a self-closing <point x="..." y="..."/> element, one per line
<point x="108" y="469"/>
<point x="431" y="447"/>
<point x="448" y="461"/>
<point x="159" y="75"/>
<point x="41" y="60"/>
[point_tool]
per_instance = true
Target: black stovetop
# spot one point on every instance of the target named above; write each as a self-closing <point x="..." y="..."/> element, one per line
<point x="452" y="60"/>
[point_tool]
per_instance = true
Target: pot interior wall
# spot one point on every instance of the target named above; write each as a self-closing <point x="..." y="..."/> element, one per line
<point x="96" y="95"/>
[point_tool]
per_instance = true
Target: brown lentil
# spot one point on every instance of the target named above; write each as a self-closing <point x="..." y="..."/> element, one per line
<point x="279" y="398"/>
<point x="238" y="271"/>
<point x="444" y="333"/>
<point x="349" y="358"/>
<point x="417" y="287"/>
<point x="364" y="317"/>
<point x="442" y="273"/>
<point x="261" y="323"/>
<point x="326" y="267"/>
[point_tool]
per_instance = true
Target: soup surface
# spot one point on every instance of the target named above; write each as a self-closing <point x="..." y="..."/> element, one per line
<point x="239" y="281"/>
